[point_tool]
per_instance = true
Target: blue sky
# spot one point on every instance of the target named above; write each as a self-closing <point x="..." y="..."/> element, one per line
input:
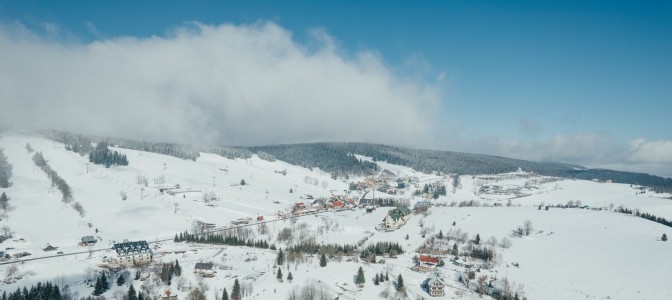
<point x="514" y="78"/>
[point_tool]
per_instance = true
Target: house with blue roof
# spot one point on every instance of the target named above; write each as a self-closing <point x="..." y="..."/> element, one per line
<point x="132" y="253"/>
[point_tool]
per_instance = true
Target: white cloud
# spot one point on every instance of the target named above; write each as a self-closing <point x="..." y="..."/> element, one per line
<point x="650" y="152"/>
<point x="594" y="150"/>
<point x="228" y="84"/>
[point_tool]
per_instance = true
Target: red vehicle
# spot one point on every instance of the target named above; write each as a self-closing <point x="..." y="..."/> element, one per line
<point x="260" y="218"/>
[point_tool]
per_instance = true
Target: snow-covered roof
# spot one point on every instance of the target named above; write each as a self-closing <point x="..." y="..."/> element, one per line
<point x="399" y="212"/>
<point x="203" y="266"/>
<point x="434" y="279"/>
<point x="88" y="239"/>
<point x="130" y="248"/>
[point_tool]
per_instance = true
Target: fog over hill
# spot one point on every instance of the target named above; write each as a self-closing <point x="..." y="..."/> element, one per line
<point x="339" y="160"/>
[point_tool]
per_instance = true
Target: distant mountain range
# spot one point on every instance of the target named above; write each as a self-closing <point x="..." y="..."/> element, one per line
<point x="339" y="159"/>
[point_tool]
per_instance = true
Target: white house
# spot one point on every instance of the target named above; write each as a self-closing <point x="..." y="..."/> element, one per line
<point x="132" y="253"/>
<point x="397" y="217"/>
<point x="435" y="286"/>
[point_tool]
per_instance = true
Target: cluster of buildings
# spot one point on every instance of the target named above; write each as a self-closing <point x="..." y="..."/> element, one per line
<point x="387" y="182"/>
<point x="310" y="204"/>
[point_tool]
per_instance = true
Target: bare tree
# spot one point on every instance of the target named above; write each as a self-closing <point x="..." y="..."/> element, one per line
<point x="492" y="241"/>
<point x="209" y="196"/>
<point x="6" y="231"/>
<point x="262" y="228"/>
<point x="11" y="272"/>
<point x="480" y="289"/>
<point x="527" y="227"/>
<point x="196" y="294"/>
<point x="505" y="243"/>
<point x="161" y="179"/>
<point x="142" y="180"/>
<point x="123" y="195"/>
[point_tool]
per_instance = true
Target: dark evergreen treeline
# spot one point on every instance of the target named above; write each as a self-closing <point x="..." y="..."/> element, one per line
<point x="482" y="253"/>
<point x="648" y="216"/>
<point x="102" y="285"/>
<point x="168" y="270"/>
<point x="332" y="158"/>
<point x="5" y="170"/>
<point x="40" y="291"/>
<point x="102" y="155"/>
<point x="266" y="156"/>
<point x="220" y="239"/>
<point x="82" y="144"/>
<point x="56" y="180"/>
<point x="74" y="142"/>
<point x="228" y="152"/>
<point x="391" y="249"/>
<point x="384" y="202"/>
<point x="330" y="250"/>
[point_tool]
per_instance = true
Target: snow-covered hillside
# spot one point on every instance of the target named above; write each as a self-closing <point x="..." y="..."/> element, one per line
<point x="571" y="253"/>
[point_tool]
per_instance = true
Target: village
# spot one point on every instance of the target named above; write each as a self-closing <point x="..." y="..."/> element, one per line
<point x="221" y="221"/>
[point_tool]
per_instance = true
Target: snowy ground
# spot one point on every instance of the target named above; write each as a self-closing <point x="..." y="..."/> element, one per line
<point x="572" y="254"/>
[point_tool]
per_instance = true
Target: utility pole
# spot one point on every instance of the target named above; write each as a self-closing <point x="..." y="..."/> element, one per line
<point x="87" y="168"/>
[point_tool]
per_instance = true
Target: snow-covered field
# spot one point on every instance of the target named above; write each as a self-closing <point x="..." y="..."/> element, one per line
<point x="571" y="254"/>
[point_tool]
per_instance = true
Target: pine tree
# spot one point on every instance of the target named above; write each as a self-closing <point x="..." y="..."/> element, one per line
<point x="387" y="278"/>
<point x="290" y="277"/>
<point x="131" y="293"/>
<point x="478" y="239"/>
<point x="359" y="279"/>
<point x="225" y="295"/>
<point x="137" y="275"/>
<point x="376" y="280"/>
<point x="664" y="237"/>
<point x="4" y="202"/>
<point x="400" y="284"/>
<point x="98" y="288"/>
<point x="235" y="292"/>
<point x="281" y="257"/>
<point x="140" y="297"/>
<point x="279" y="276"/>
<point x="455" y="252"/>
<point x="104" y="283"/>
<point x="121" y="280"/>
<point x="291" y="191"/>
<point x="323" y="260"/>
<point x="440" y="236"/>
<point x="178" y="269"/>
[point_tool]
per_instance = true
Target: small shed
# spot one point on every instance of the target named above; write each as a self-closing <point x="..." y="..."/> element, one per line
<point x="205" y="269"/>
<point x="50" y="248"/>
<point x="88" y="240"/>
